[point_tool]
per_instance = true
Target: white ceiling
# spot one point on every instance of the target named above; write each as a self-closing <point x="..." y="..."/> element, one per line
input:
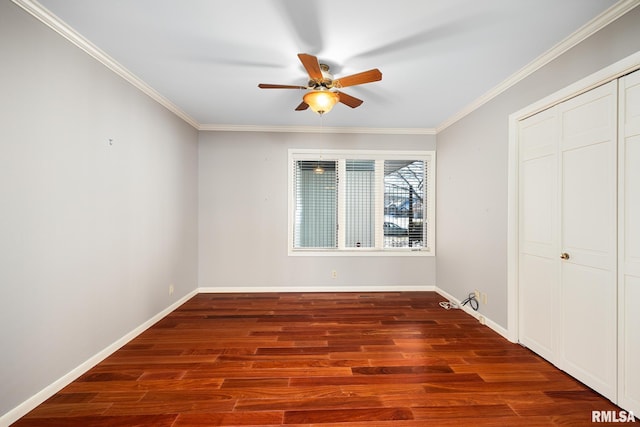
<point x="437" y="57"/>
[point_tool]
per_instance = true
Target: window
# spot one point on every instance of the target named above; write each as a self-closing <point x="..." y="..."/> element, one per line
<point x="361" y="202"/>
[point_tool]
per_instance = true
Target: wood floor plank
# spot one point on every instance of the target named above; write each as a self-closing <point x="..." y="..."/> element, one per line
<point x="367" y="359"/>
<point x="463" y="412"/>
<point x="126" y="386"/>
<point x="316" y="403"/>
<point x="310" y="371"/>
<point x="51" y="409"/>
<point x="458" y="400"/>
<point x="346" y="415"/>
<point x="263" y="418"/>
<point x="162" y="420"/>
<point x="374" y="380"/>
<point x="169" y="407"/>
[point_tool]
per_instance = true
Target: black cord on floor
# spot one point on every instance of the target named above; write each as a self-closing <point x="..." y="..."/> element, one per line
<point x="473" y="302"/>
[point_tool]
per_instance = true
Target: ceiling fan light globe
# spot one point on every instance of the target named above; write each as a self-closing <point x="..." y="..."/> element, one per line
<point x="321" y="101"/>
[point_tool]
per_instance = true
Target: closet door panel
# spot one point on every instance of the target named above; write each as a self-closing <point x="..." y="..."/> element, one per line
<point x="538" y="207"/>
<point x="589" y="326"/>
<point x="629" y="243"/>
<point x="588" y="215"/>
<point x="538" y="285"/>
<point x="538" y="271"/>
<point x="588" y="204"/>
<point x="632" y="205"/>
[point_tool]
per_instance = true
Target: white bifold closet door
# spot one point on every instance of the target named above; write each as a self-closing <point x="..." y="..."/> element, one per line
<point x="629" y="243"/>
<point x="567" y="221"/>
<point x="588" y="238"/>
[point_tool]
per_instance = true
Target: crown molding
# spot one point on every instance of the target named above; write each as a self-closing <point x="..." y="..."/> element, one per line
<point x="591" y="27"/>
<point x="318" y="129"/>
<point x="59" y="26"/>
<point x="52" y="21"/>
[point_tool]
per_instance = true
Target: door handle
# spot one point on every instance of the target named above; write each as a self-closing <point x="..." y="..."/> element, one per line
<point x="564" y="255"/>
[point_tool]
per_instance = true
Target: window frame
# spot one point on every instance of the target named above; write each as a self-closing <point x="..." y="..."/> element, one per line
<point x="428" y="156"/>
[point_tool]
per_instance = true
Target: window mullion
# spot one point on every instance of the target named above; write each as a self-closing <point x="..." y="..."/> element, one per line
<point x="342" y="215"/>
<point x="379" y="197"/>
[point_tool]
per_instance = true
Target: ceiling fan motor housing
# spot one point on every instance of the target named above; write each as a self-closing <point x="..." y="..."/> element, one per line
<point x="327" y="78"/>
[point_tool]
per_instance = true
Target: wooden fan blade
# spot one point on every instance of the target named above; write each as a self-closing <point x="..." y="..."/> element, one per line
<point x="358" y="79"/>
<point x="349" y="100"/>
<point x="270" y="86"/>
<point x="312" y="66"/>
<point x="303" y="106"/>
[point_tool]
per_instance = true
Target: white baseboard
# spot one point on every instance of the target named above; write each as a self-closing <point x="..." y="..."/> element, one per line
<point x="255" y="289"/>
<point x="25" y="407"/>
<point x="481" y="317"/>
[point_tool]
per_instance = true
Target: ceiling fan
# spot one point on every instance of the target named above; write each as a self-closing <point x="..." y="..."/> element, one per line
<point x="322" y="88"/>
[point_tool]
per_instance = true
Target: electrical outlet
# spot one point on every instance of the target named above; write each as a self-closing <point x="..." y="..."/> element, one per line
<point x="484" y="298"/>
<point x="171" y="289"/>
<point x="334" y="274"/>
<point x="477" y="294"/>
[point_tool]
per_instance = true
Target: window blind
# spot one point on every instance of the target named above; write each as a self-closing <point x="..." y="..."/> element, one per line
<point x="316" y="193"/>
<point x="360" y="204"/>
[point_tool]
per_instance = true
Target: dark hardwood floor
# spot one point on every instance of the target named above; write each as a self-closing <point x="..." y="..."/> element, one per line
<point x="324" y="359"/>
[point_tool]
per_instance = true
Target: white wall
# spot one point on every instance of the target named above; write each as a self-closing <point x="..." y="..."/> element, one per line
<point x="472" y="169"/>
<point x="243" y="216"/>
<point x="91" y="234"/>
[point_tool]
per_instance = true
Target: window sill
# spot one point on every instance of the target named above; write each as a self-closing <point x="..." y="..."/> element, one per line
<point x="361" y="252"/>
